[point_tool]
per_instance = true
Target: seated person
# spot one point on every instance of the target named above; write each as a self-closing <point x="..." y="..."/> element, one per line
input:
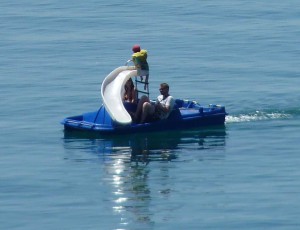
<point x="159" y="110"/>
<point x="130" y="94"/>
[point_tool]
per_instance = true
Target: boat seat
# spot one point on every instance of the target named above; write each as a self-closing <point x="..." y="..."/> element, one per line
<point x="175" y="114"/>
<point x="179" y="103"/>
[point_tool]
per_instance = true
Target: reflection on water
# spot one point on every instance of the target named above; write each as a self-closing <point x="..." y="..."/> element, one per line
<point x="131" y="194"/>
<point x="145" y="148"/>
<point x="127" y="172"/>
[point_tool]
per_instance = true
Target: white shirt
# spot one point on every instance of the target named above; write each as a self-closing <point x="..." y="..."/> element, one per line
<point x="168" y="101"/>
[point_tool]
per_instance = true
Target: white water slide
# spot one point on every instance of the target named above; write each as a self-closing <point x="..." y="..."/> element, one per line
<point x="112" y="90"/>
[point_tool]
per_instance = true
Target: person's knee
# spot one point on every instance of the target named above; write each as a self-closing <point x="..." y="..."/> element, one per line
<point x="146" y="106"/>
<point x="144" y="98"/>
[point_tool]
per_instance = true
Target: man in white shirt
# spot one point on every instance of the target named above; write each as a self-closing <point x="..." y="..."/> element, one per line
<point x="161" y="109"/>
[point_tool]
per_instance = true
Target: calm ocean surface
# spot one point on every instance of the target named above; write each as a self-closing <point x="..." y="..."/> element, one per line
<point x="242" y="54"/>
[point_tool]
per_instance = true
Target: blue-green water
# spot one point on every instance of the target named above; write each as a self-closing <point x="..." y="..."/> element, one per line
<point x="242" y="54"/>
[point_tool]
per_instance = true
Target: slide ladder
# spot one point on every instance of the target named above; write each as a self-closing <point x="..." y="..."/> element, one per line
<point x="140" y="86"/>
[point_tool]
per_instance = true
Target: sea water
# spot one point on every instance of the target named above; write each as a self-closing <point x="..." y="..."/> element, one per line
<point x="243" y="175"/>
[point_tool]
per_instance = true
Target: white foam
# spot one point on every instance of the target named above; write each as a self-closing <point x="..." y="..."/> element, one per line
<point x="257" y="116"/>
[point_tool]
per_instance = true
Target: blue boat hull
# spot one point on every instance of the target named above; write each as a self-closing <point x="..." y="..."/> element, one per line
<point x="186" y="115"/>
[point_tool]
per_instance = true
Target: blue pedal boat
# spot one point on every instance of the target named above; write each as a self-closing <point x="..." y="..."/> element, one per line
<point x="185" y="115"/>
<point x="113" y="117"/>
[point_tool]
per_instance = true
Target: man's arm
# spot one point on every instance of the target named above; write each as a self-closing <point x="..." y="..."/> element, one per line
<point x="166" y="108"/>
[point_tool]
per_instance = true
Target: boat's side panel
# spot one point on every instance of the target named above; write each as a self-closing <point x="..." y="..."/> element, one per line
<point x="185" y="122"/>
<point x="103" y="117"/>
<point x="98" y="120"/>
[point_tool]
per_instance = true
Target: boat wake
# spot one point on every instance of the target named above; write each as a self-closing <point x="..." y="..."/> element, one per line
<point x="258" y="116"/>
